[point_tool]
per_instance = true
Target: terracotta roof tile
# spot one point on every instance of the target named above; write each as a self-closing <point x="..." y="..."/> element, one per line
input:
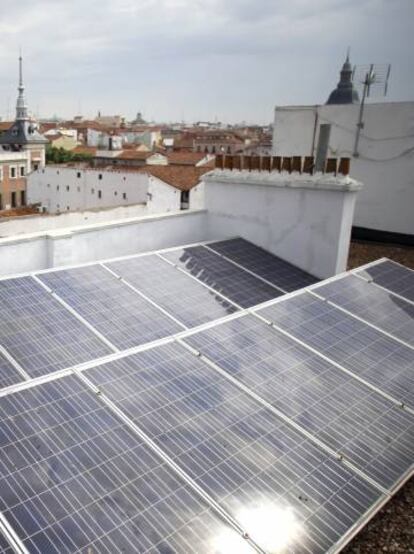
<point x="182" y="177"/>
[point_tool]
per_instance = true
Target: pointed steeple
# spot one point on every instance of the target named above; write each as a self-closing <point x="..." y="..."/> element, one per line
<point x="21" y="108"/>
<point x="345" y="93"/>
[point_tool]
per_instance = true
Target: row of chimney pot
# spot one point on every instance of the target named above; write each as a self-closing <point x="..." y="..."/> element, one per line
<point x="290" y="164"/>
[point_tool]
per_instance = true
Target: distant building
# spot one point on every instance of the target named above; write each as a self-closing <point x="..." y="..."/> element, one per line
<point x="345" y="92"/>
<point x="23" y="135"/>
<point x="14" y="167"/>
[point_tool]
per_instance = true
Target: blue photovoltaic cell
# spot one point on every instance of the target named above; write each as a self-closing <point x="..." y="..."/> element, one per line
<point x="8" y="374"/>
<point x="392" y="276"/>
<point x="5" y="547"/>
<point x="370" y="431"/>
<point x="380" y="360"/>
<point x="254" y="464"/>
<point x="180" y="295"/>
<point x="116" y="311"/>
<point x="75" y="478"/>
<point x="375" y="305"/>
<point x="40" y="334"/>
<point x="282" y="274"/>
<point x="223" y="276"/>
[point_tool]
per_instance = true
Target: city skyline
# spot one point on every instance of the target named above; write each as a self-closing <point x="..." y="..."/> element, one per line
<point x="177" y="60"/>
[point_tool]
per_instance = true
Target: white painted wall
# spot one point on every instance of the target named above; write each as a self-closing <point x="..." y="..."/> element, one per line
<point x="385" y="164"/>
<point x="101" y="241"/>
<point x="305" y="220"/>
<point x="162" y="198"/>
<point x="12" y="226"/>
<point x="60" y="189"/>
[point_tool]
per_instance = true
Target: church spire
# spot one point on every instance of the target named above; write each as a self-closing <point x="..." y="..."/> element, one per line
<point x="345" y="93"/>
<point x="21" y="108"/>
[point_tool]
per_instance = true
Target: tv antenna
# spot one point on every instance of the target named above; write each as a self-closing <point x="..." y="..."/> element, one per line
<point x="373" y="79"/>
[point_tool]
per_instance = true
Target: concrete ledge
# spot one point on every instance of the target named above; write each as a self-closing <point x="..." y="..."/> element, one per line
<point x="318" y="181"/>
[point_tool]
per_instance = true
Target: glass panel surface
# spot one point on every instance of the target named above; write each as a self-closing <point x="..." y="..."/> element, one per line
<point x="8" y="374"/>
<point x="392" y="276"/>
<point x="75" y="478"/>
<point x="380" y="360"/>
<point x="370" y="431"/>
<point x="285" y="491"/>
<point x="223" y="276"/>
<point x="40" y="334"/>
<point x="263" y="263"/>
<point x="116" y="311"/>
<point x="180" y="295"/>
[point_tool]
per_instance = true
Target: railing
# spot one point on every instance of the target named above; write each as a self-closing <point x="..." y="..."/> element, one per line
<point x="290" y="164"/>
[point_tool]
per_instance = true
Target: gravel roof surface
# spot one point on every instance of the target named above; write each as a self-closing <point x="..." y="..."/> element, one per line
<point x="392" y="529"/>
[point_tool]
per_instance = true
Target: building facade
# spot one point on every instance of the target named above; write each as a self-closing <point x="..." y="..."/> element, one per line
<point x="14" y="167"/>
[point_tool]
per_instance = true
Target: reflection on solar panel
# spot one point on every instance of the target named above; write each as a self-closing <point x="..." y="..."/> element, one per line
<point x="387" y="311"/>
<point x="8" y="374"/>
<point x="184" y="298"/>
<point x="289" y="436"/>
<point x="74" y="478"/>
<point x="393" y="277"/>
<point x="244" y="456"/>
<point x="380" y="360"/>
<point x="223" y="276"/>
<point x="273" y="269"/>
<point x="40" y="334"/>
<point x="116" y="311"/>
<point x="373" y="433"/>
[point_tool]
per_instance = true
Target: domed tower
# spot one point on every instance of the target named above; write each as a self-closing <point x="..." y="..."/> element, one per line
<point x="23" y="134"/>
<point x="345" y="93"/>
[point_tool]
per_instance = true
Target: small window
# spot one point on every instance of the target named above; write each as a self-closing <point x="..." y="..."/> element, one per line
<point x="99" y="194"/>
<point x="78" y="189"/>
<point x="124" y="195"/>
<point x="115" y="193"/>
<point x="67" y="208"/>
<point x="67" y="188"/>
<point x="92" y="191"/>
<point x="78" y="174"/>
<point x="13" y="199"/>
<point x="22" y="171"/>
<point x="100" y="176"/>
<point x="48" y="185"/>
<point x="57" y="187"/>
<point x="12" y="172"/>
<point x="23" y="198"/>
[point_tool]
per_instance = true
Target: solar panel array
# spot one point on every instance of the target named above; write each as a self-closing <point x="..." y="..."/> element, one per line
<point x="153" y="404"/>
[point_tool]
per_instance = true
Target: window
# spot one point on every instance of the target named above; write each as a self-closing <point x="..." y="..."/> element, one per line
<point x="78" y="174"/>
<point x="115" y="193"/>
<point x="124" y="195"/>
<point x="100" y="176"/>
<point x="1" y="174"/>
<point x="92" y="191"/>
<point x="22" y="171"/>
<point x="13" y="172"/>
<point x="67" y="188"/>
<point x="13" y="199"/>
<point x="78" y="189"/>
<point x="67" y="208"/>
<point x="185" y="199"/>
<point x="23" y="198"/>
<point x="1" y="203"/>
<point x="57" y="187"/>
<point x="48" y="185"/>
<point x="99" y="194"/>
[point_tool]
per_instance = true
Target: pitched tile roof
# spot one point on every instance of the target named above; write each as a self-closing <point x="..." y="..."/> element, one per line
<point x="181" y="177"/>
<point x="185" y="158"/>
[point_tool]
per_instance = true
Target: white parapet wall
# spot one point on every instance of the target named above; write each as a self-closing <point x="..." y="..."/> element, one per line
<point x="303" y="219"/>
<point x="32" y="252"/>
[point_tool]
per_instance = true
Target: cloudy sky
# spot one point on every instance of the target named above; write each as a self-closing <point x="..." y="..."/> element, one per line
<point x="192" y="60"/>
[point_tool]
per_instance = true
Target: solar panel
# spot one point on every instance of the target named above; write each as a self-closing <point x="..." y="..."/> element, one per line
<point x="380" y="360"/>
<point x="289" y="494"/>
<point x="5" y="547"/>
<point x="8" y="374"/>
<point x="75" y="478"/>
<point x="280" y="273"/>
<point x="180" y="295"/>
<point x="223" y="276"/>
<point x="392" y="276"/>
<point x="371" y="432"/>
<point x="116" y="311"/>
<point x="40" y="334"/>
<point x="375" y="305"/>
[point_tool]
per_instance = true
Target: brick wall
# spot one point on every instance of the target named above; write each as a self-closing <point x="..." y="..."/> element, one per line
<point x="11" y="188"/>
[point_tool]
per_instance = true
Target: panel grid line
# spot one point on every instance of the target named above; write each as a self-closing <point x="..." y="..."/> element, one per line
<point x="76" y="314"/>
<point x="361" y="319"/>
<point x="389" y="397"/>
<point x="207" y="247"/>
<point x="138" y="431"/>
<point x="14" y="363"/>
<point x="142" y="295"/>
<point x="12" y="536"/>
<point x="281" y="415"/>
<point x="355" y="272"/>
